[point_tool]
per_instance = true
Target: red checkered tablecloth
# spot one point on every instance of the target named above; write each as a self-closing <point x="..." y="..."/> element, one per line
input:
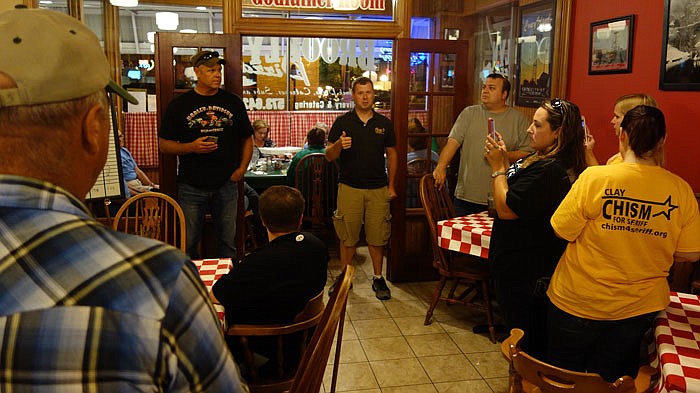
<point x="141" y="137"/>
<point x="287" y="128"/>
<point x="469" y="234"/>
<point x="211" y="270"/>
<point x="677" y="333"/>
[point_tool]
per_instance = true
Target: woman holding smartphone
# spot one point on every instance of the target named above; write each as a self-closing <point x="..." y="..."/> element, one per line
<point x="625" y="224"/>
<point x="524" y="249"/>
<point x="622" y="106"/>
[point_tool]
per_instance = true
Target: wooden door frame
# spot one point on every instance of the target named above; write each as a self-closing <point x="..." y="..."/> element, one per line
<point x="398" y="267"/>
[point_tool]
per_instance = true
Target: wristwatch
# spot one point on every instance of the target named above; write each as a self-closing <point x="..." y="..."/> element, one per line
<point x="496" y="174"/>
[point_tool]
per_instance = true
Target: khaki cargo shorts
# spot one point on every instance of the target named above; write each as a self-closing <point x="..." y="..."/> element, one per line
<point x="357" y="206"/>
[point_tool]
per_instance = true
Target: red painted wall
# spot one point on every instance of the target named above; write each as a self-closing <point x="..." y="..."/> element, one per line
<point x="596" y="94"/>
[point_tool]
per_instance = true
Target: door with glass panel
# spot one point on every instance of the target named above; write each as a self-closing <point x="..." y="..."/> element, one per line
<point x="430" y="91"/>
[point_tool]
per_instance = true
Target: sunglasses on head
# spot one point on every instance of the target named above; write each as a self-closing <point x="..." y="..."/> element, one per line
<point x="558" y="104"/>
<point x="207" y="57"/>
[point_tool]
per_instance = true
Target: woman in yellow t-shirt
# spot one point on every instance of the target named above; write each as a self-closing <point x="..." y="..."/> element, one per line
<point x="622" y="106"/>
<point x="626" y="224"/>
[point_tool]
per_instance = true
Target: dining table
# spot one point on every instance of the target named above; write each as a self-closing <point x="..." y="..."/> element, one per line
<point x="676" y="353"/>
<point x="262" y="180"/>
<point x="211" y="270"/>
<point x="467" y="234"/>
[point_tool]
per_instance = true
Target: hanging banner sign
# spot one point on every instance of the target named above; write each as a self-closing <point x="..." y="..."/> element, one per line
<point x="362" y="7"/>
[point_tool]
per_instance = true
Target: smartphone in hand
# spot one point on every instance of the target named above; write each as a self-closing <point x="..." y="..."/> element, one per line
<point x="586" y="134"/>
<point x="492" y="128"/>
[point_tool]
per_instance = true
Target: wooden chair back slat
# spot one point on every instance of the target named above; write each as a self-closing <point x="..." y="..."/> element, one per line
<point x="313" y="365"/>
<point x="153" y="215"/>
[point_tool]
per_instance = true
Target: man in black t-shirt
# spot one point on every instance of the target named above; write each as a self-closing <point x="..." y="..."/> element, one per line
<point x="358" y="140"/>
<point x="208" y="128"/>
<point x="274" y="283"/>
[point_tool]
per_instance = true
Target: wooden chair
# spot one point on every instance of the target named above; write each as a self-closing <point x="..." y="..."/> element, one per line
<point x="459" y="268"/>
<point x="154" y="215"/>
<point x="250" y="232"/>
<point x="303" y="324"/>
<point x="528" y="374"/>
<point x="313" y="365"/>
<point x="317" y="179"/>
<point x="416" y="167"/>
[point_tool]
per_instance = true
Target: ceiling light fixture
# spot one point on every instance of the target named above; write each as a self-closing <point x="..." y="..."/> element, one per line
<point x="124" y="3"/>
<point x="167" y="20"/>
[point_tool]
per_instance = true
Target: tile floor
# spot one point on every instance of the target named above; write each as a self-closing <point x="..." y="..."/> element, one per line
<point x="386" y="348"/>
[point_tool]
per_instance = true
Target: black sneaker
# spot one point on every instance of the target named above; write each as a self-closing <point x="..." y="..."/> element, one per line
<point x="380" y="289"/>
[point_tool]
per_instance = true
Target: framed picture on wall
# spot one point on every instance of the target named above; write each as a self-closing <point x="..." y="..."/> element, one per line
<point x="535" y="48"/>
<point x="680" y="52"/>
<point x="610" y="50"/>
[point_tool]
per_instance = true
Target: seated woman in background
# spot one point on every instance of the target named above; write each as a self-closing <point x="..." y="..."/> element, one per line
<point x="622" y="106"/>
<point x="316" y="138"/>
<point x="260" y="132"/>
<point x="524" y="249"/>
<point x="626" y="224"/>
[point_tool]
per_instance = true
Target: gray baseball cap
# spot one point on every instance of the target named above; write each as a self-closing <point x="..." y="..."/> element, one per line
<point x="52" y="57"/>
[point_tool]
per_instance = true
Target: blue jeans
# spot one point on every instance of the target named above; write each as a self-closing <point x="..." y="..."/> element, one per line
<point x="609" y="348"/>
<point x="223" y="205"/>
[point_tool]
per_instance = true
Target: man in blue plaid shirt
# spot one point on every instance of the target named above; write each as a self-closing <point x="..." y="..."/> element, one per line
<point x="84" y="308"/>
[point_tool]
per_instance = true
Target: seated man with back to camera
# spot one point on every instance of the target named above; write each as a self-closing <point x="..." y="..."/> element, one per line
<point x="274" y="283"/>
<point x="416" y="161"/>
<point x="418" y="145"/>
<point x="316" y="139"/>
